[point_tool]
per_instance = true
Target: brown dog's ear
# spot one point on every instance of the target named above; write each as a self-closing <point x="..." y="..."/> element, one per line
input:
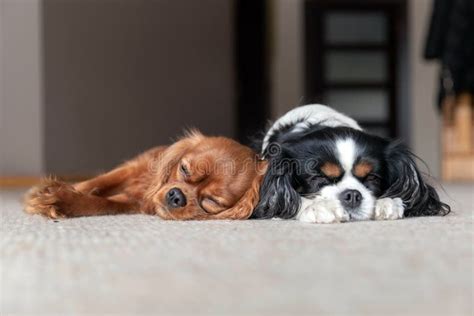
<point x="244" y="207"/>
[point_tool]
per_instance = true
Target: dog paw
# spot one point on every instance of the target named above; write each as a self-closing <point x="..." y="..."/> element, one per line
<point x="388" y="208"/>
<point x="321" y="211"/>
<point x="51" y="199"/>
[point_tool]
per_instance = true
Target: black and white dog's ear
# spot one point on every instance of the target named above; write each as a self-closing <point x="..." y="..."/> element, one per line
<point x="405" y="182"/>
<point x="278" y="198"/>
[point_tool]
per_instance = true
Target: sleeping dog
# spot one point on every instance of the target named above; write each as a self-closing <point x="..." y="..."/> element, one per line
<point x="324" y="168"/>
<point x="198" y="177"/>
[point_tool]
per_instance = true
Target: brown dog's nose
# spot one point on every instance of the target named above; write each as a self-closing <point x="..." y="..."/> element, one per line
<point x="175" y="198"/>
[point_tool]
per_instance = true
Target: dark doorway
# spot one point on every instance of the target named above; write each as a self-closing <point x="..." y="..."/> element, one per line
<point x="251" y="68"/>
<point x="351" y="59"/>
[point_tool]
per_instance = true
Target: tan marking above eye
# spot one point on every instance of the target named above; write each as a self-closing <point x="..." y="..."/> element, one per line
<point x="362" y="169"/>
<point x="331" y="170"/>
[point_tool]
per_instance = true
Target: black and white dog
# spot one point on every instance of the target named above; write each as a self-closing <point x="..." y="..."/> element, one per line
<point x="324" y="168"/>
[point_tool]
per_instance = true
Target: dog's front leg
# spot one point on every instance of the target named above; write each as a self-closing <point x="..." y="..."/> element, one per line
<point x="322" y="211"/>
<point x="389" y="208"/>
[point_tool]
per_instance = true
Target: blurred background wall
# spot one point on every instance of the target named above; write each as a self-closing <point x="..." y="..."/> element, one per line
<point x="121" y="76"/>
<point x="86" y="84"/>
<point x="21" y="95"/>
<point x="423" y="84"/>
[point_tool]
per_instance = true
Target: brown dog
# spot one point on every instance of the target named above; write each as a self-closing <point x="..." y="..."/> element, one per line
<point x="197" y="177"/>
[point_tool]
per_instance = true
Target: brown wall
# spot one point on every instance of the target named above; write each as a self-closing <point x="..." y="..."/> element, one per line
<point x="121" y="76"/>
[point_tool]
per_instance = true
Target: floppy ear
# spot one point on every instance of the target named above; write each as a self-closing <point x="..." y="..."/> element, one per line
<point x="244" y="207"/>
<point x="405" y="182"/>
<point x="278" y="198"/>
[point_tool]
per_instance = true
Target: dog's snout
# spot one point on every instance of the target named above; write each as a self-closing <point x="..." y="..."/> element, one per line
<point x="175" y="198"/>
<point x="350" y="199"/>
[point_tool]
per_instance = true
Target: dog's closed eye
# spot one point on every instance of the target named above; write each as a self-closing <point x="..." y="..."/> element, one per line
<point x="372" y="178"/>
<point x="321" y="180"/>
<point x="184" y="170"/>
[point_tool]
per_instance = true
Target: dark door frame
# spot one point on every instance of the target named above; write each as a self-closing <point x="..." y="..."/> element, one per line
<point x="251" y="67"/>
<point x="315" y="85"/>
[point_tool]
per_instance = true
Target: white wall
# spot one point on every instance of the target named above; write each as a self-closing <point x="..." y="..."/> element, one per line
<point x="425" y="121"/>
<point x="20" y="88"/>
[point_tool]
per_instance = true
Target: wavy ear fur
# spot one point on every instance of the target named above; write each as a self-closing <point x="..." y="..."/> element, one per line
<point x="278" y="198"/>
<point x="405" y="181"/>
<point x="244" y="207"/>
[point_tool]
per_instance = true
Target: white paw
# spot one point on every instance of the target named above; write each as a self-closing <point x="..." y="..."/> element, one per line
<point x="318" y="210"/>
<point x="388" y="208"/>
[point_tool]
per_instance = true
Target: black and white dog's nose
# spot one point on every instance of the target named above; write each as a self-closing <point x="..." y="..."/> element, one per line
<point x="350" y="199"/>
<point x="175" y="198"/>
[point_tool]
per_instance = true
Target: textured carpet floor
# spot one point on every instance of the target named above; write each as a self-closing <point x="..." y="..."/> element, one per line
<point x="141" y="265"/>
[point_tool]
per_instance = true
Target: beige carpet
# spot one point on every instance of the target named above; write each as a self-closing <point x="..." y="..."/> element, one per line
<point x="140" y="265"/>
